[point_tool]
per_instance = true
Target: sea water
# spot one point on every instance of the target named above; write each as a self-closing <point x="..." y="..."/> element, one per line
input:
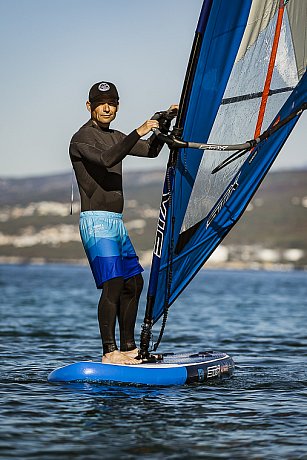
<point x="49" y="319"/>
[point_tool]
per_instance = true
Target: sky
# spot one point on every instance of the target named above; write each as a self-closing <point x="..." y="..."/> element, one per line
<point x="54" y="50"/>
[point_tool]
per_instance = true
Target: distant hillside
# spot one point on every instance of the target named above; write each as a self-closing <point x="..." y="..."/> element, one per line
<point x="277" y="216"/>
<point x="58" y="187"/>
<point x="34" y="189"/>
<point x="35" y="223"/>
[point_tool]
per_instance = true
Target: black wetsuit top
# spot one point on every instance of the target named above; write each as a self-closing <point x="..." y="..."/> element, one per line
<point x="96" y="154"/>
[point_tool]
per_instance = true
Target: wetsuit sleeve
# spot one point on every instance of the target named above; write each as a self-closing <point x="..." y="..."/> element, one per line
<point x="152" y="146"/>
<point x="147" y="148"/>
<point x="99" y="154"/>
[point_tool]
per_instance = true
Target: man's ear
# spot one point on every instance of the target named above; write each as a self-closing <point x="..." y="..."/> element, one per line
<point x="88" y="106"/>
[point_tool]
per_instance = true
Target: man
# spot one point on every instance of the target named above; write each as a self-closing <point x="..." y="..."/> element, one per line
<point x="96" y="152"/>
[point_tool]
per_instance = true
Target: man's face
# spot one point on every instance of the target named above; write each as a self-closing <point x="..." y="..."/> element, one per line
<point x="103" y="113"/>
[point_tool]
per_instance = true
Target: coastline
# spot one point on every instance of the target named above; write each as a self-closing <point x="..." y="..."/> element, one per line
<point x="231" y="265"/>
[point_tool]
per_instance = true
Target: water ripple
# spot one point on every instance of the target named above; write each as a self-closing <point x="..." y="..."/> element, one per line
<point x="259" y="318"/>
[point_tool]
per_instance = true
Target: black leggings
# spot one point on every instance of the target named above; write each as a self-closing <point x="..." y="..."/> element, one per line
<point x="119" y="298"/>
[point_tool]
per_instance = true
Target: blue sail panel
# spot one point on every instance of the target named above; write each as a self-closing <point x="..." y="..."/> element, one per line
<point x="222" y="31"/>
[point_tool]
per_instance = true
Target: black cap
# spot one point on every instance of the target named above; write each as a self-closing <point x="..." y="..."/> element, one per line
<point x="102" y="92"/>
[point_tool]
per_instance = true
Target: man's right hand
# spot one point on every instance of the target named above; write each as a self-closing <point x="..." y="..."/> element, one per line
<point x="146" y="127"/>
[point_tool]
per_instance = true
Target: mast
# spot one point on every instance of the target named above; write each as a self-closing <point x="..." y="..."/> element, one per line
<point x="166" y="195"/>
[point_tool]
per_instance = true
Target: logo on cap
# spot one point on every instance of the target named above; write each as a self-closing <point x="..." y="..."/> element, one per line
<point x="104" y="87"/>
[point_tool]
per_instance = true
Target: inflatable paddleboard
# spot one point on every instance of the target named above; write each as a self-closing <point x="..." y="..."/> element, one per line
<point x="172" y="369"/>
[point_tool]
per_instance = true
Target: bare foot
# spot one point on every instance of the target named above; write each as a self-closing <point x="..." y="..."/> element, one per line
<point x="131" y="353"/>
<point x="116" y="357"/>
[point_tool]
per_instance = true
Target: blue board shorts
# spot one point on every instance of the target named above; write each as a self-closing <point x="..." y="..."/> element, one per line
<point x="108" y="246"/>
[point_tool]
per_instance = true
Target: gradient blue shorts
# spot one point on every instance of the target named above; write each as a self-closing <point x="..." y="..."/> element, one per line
<point x="108" y="246"/>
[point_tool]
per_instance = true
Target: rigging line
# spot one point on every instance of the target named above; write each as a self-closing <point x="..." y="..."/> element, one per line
<point x="235" y="156"/>
<point x="269" y="75"/>
<point x="247" y="97"/>
<point x="72" y="192"/>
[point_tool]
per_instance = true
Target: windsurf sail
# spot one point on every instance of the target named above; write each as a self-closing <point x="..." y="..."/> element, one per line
<point x="246" y="79"/>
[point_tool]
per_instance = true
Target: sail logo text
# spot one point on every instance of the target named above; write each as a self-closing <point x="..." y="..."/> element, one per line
<point x="213" y="147"/>
<point x="223" y="200"/>
<point x="161" y="225"/>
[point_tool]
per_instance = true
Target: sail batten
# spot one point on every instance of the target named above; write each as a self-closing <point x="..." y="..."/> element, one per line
<point x="245" y="97"/>
<point x="246" y="76"/>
